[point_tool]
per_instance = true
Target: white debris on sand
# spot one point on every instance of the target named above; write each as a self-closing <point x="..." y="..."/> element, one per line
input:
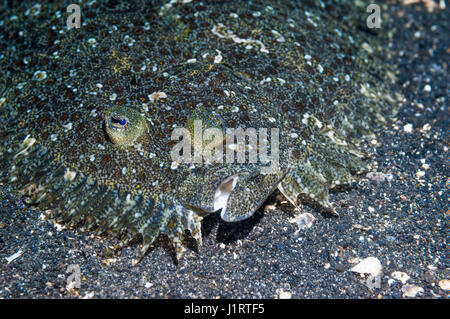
<point x="408" y="128"/>
<point x="14" y="256"/>
<point x="89" y="295"/>
<point x="283" y="294"/>
<point x="303" y="221"/>
<point x="379" y="176"/>
<point x="401" y="276"/>
<point x="444" y="284"/>
<point x="370" y="265"/>
<point x="411" y="290"/>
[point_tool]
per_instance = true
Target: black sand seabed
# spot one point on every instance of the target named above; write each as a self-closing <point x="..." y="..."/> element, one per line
<point x="398" y="215"/>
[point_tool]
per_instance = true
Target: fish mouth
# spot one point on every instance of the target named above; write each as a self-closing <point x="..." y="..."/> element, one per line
<point x="222" y="194"/>
<point x="220" y="200"/>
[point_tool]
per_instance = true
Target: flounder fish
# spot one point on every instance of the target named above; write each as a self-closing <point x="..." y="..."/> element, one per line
<point x="99" y="120"/>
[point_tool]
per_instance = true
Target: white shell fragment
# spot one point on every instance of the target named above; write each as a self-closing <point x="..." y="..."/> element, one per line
<point x="444" y="284"/>
<point x="39" y="75"/>
<point x="408" y="128"/>
<point x="303" y="221"/>
<point x="370" y="265"/>
<point x="157" y="95"/>
<point x="401" y="276"/>
<point x="411" y="290"/>
<point x="379" y="176"/>
<point x="283" y="294"/>
<point x="14" y="256"/>
<point x="69" y="175"/>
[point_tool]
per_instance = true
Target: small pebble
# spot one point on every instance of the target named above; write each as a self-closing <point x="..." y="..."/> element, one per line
<point x="339" y="268"/>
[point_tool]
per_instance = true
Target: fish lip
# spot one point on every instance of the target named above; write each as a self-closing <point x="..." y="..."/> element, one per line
<point x="225" y="217"/>
<point x="202" y="212"/>
<point x="224" y="191"/>
<point x="220" y="201"/>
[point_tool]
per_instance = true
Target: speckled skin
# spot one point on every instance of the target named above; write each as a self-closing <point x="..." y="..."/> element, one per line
<point x="311" y="70"/>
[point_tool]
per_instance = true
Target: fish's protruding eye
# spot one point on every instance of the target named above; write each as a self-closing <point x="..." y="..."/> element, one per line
<point x="118" y="122"/>
<point x="124" y="125"/>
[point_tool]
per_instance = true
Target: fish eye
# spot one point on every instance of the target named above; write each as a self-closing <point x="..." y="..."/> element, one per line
<point x="124" y="125"/>
<point x="118" y="121"/>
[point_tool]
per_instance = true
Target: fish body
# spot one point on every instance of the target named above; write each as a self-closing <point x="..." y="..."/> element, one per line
<point x="89" y="114"/>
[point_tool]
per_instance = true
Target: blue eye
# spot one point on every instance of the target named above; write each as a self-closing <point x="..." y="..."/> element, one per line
<point x="124" y="125"/>
<point x="118" y="121"/>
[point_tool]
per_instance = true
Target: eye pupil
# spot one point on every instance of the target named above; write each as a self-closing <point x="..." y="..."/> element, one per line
<point x="119" y="122"/>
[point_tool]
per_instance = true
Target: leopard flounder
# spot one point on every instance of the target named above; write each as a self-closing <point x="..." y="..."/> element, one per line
<point x="88" y="113"/>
